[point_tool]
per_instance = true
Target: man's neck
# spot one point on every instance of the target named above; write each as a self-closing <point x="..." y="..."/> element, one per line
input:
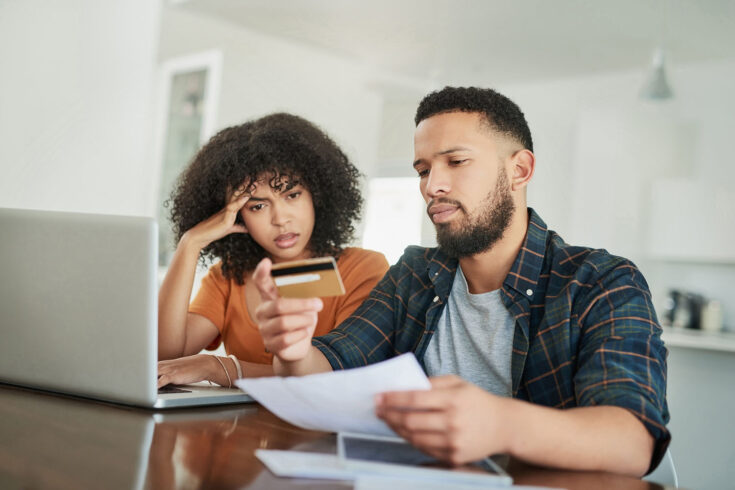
<point x="486" y="271"/>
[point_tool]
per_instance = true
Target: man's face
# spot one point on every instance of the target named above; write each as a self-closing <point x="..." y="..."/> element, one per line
<point x="463" y="181"/>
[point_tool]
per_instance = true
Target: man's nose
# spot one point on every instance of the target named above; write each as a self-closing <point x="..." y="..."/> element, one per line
<point x="437" y="182"/>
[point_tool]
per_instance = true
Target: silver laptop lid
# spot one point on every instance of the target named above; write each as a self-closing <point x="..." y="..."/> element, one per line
<point x="78" y="309"/>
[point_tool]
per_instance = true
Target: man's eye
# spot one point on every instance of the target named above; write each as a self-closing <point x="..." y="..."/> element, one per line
<point x="457" y="162"/>
<point x="257" y="207"/>
<point x="422" y="172"/>
<point x="293" y="195"/>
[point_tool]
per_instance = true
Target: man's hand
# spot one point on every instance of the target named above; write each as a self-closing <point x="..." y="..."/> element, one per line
<point x="454" y="421"/>
<point x="458" y="422"/>
<point x="286" y="324"/>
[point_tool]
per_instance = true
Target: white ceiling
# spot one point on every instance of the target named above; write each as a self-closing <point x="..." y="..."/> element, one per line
<point x="492" y="40"/>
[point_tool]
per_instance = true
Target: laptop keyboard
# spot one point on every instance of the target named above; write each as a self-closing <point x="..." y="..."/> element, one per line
<point x="171" y="389"/>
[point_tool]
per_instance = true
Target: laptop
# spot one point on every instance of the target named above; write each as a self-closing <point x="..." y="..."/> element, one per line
<point x="78" y="309"/>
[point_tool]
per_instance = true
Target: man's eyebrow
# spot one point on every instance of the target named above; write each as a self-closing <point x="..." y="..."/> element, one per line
<point x="253" y="198"/>
<point x="444" y="152"/>
<point x="453" y="150"/>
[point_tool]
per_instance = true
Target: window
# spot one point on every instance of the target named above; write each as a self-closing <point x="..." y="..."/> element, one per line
<point x="393" y="216"/>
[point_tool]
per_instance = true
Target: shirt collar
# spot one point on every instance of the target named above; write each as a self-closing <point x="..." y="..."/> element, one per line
<point x="524" y="274"/>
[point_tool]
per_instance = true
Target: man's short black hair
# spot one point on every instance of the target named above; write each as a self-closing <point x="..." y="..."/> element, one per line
<point x="501" y="113"/>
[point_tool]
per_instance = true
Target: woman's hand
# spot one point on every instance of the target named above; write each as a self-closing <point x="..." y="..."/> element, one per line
<point x="190" y="369"/>
<point x="220" y="224"/>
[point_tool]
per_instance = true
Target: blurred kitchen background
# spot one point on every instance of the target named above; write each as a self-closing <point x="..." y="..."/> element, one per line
<point x="630" y="104"/>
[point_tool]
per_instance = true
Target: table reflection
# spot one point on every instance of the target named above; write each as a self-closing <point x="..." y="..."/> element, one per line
<point x="215" y="448"/>
<point x="50" y="441"/>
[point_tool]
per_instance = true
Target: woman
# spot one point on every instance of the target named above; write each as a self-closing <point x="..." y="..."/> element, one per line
<point x="275" y="187"/>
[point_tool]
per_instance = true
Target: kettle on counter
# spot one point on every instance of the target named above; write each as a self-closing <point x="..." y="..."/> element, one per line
<point x="685" y="309"/>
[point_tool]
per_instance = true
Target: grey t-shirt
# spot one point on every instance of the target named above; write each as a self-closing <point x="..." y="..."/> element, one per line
<point x="473" y="339"/>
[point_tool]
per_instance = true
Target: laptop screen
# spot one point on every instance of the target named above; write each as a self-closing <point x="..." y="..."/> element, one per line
<point x="78" y="303"/>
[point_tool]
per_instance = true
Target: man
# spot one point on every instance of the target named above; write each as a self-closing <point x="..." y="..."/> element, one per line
<point x="548" y="352"/>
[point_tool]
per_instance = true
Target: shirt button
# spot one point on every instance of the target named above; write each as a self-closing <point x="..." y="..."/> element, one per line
<point x="436" y="298"/>
<point x="529" y="292"/>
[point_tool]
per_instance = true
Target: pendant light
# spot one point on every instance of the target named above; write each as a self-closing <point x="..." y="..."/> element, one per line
<point x="657" y="87"/>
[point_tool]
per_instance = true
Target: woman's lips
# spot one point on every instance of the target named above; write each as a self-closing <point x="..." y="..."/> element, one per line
<point x="287" y="240"/>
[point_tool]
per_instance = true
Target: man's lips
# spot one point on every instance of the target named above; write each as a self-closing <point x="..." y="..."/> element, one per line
<point x="440" y="213"/>
<point x="286" y="240"/>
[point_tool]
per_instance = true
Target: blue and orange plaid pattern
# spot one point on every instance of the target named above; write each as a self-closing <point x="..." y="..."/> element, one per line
<point x="586" y="332"/>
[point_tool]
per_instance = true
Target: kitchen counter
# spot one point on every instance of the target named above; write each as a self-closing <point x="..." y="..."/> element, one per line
<point x="699" y="339"/>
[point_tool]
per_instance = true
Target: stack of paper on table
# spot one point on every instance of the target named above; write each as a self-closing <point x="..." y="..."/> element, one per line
<point x="343" y="401"/>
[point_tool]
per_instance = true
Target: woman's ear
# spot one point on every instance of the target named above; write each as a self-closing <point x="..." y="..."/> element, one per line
<point x="523" y="164"/>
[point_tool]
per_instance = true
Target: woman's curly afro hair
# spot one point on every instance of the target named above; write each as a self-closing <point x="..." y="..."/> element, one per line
<point x="286" y="149"/>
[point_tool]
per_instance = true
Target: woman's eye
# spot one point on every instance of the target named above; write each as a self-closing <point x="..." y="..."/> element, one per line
<point x="257" y="207"/>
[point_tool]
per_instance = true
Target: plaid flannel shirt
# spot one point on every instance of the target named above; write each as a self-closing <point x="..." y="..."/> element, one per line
<point x="586" y="332"/>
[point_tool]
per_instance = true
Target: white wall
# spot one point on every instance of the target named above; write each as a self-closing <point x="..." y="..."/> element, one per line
<point x="589" y="130"/>
<point x="75" y="98"/>
<point x="262" y="74"/>
<point x="601" y="151"/>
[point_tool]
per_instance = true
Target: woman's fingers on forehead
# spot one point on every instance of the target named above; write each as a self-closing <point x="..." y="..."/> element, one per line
<point x="241" y="191"/>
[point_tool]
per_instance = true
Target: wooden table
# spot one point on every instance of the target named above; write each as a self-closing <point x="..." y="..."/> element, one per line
<point x="49" y="441"/>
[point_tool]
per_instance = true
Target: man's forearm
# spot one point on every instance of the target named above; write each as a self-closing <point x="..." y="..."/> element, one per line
<point x="313" y="363"/>
<point x="603" y="438"/>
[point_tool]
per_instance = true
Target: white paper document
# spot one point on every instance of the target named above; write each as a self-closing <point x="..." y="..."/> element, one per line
<point x="339" y="401"/>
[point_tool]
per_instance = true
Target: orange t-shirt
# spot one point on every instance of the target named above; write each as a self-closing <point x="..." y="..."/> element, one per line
<point x="222" y="301"/>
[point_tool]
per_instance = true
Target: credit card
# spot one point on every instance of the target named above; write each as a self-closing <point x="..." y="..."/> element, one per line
<point x="309" y="278"/>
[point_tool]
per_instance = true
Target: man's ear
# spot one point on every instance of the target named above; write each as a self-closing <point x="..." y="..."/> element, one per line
<point x="523" y="164"/>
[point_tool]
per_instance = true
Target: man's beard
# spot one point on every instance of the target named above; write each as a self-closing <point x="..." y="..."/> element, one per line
<point x="480" y="232"/>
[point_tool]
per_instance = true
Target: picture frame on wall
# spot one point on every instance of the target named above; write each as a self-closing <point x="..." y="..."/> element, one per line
<point x="189" y="88"/>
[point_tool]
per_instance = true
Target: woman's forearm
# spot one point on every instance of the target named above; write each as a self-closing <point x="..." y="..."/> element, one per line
<point x="173" y="300"/>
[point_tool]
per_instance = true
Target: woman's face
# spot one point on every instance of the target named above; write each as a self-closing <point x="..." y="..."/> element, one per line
<point x="280" y="222"/>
